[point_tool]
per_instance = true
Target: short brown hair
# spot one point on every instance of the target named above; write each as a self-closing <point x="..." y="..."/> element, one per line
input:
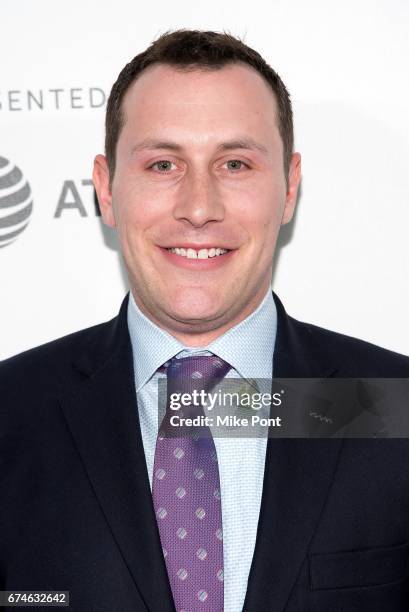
<point x="188" y="49"/>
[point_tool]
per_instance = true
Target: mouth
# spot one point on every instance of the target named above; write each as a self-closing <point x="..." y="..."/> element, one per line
<point x="190" y="253"/>
<point x="191" y="257"/>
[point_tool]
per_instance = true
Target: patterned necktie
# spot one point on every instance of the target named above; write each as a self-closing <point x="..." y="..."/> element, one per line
<point x="186" y="495"/>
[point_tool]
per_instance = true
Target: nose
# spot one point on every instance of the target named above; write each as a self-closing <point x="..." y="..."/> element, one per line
<point x="198" y="201"/>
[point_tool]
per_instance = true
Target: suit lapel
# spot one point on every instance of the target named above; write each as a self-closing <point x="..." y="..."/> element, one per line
<point x="103" y="418"/>
<point x="297" y="478"/>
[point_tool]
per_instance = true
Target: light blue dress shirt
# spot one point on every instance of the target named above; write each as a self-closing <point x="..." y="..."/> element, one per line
<point x="248" y="347"/>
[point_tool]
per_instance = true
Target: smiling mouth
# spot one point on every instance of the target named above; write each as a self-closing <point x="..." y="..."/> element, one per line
<point x="198" y="254"/>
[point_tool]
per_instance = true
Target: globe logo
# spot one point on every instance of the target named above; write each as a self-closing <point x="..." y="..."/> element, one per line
<point x="16" y="203"/>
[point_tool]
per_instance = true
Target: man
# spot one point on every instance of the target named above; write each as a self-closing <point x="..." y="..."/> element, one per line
<point x="199" y="175"/>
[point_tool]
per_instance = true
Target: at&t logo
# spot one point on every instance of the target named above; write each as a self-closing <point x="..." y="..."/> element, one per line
<point x="16" y="202"/>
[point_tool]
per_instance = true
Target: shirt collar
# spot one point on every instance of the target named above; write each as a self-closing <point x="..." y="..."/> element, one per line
<point x="248" y="346"/>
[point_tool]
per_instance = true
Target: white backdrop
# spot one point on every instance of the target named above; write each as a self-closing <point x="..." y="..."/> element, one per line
<point x="343" y="263"/>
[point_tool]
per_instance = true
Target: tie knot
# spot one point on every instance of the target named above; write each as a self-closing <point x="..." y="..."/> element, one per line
<point x="196" y="370"/>
<point x="191" y="376"/>
<point x="198" y="366"/>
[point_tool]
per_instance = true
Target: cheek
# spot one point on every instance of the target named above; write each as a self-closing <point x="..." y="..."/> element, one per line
<point x="136" y="208"/>
<point x="260" y="211"/>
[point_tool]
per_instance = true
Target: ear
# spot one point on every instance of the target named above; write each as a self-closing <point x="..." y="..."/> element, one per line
<point x="100" y="178"/>
<point x="294" y="177"/>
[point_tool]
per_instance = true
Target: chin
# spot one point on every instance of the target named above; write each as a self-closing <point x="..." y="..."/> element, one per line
<point x="193" y="306"/>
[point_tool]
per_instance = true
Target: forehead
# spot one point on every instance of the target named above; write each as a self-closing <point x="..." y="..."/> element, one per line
<point x="166" y="98"/>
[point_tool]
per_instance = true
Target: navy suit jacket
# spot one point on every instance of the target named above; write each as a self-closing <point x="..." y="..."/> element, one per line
<point x="76" y="509"/>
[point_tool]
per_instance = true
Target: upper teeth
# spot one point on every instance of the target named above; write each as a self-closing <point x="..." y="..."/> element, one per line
<point x="201" y="254"/>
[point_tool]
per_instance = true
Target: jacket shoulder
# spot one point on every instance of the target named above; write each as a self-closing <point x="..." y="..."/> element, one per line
<point x="352" y="354"/>
<point x="52" y="362"/>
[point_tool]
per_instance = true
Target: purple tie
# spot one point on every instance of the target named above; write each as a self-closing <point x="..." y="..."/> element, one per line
<point x="186" y="494"/>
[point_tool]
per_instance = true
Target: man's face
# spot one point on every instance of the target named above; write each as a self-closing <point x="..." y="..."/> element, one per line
<point x="199" y="167"/>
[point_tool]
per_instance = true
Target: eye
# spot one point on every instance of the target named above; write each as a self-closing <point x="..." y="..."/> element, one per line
<point x="163" y="165"/>
<point x="236" y="164"/>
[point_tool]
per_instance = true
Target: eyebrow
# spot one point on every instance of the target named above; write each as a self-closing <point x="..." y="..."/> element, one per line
<point x="237" y="143"/>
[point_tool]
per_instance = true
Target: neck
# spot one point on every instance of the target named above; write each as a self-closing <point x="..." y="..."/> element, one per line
<point x="196" y="337"/>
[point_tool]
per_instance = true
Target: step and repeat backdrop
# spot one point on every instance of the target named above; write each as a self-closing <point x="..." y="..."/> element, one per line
<point x="342" y="263"/>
